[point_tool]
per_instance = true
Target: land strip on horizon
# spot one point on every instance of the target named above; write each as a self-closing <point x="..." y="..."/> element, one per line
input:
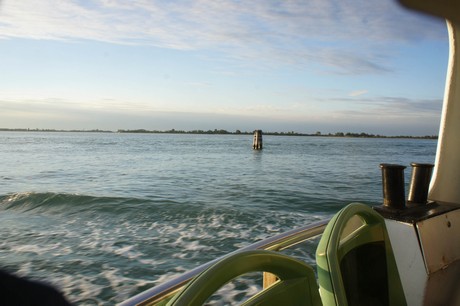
<point x="224" y="132"/>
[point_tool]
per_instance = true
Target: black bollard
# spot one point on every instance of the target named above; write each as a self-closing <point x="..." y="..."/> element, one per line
<point x="393" y="186"/>
<point x="419" y="184"/>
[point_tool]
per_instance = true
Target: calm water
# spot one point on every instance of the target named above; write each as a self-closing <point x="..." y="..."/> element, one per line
<point x="105" y="216"/>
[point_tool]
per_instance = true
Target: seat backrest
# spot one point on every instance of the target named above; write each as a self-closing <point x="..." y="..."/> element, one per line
<point x="355" y="261"/>
<point x="296" y="286"/>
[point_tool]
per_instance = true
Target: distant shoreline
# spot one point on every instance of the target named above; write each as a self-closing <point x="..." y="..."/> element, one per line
<point x="223" y="132"/>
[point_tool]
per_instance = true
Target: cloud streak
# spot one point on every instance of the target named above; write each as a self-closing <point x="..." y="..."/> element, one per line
<point x="380" y="115"/>
<point x="251" y="31"/>
<point x="390" y="108"/>
<point x="357" y="93"/>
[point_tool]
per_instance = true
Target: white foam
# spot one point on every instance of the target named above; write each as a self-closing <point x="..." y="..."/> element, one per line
<point x="80" y="289"/>
<point x="29" y="248"/>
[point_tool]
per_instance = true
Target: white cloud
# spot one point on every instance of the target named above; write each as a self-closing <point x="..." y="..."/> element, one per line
<point x="285" y="31"/>
<point x="357" y="93"/>
<point x="390" y="108"/>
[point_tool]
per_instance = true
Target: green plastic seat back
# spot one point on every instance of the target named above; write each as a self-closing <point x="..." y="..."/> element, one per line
<point x="355" y="261"/>
<point x="296" y="286"/>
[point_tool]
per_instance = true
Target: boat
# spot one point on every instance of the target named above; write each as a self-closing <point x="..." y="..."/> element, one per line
<point x="403" y="252"/>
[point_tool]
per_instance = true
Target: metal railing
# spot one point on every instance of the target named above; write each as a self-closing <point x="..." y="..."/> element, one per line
<point x="276" y="243"/>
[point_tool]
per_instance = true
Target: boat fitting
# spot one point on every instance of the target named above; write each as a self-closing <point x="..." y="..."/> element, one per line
<point x="393" y="186"/>
<point x="419" y="184"/>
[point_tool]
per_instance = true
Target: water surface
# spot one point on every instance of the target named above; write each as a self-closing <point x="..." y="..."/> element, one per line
<point x="103" y="216"/>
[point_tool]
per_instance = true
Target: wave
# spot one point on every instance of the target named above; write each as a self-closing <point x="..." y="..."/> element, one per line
<point x="158" y="207"/>
<point x="62" y="202"/>
<point x="126" y="208"/>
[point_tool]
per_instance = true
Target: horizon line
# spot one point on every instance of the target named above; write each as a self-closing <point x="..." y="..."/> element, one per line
<point x="220" y="132"/>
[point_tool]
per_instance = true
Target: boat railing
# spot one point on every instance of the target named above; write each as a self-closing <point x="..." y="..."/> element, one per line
<point x="279" y="242"/>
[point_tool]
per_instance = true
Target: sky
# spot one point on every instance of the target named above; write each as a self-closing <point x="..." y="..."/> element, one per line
<point x="305" y="66"/>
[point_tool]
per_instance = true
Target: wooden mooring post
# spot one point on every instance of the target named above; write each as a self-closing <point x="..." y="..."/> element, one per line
<point x="257" y="142"/>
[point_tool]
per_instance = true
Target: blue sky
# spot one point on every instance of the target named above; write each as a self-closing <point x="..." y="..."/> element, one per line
<point x="305" y="66"/>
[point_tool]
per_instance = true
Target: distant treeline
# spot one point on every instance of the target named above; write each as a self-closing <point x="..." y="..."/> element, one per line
<point x="225" y="132"/>
<point x="292" y="133"/>
<point x="53" y="130"/>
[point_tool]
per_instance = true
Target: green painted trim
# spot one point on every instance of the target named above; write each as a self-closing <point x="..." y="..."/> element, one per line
<point x="333" y="248"/>
<point x="297" y="284"/>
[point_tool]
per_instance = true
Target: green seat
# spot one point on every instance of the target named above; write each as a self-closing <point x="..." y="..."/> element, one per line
<point x="296" y="286"/>
<point x="355" y="261"/>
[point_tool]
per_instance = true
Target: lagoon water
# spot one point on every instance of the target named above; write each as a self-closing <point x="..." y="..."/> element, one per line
<point x="103" y="216"/>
